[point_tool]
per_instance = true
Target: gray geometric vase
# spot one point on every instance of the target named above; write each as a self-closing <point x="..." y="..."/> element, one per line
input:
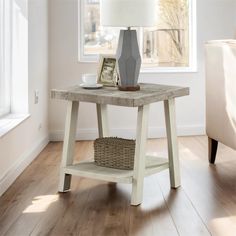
<point x="128" y="60"/>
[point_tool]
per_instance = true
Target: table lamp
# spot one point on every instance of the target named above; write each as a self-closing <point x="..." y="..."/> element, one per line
<point x="128" y="13"/>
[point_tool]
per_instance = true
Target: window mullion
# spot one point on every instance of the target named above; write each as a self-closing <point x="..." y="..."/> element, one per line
<point x="140" y="40"/>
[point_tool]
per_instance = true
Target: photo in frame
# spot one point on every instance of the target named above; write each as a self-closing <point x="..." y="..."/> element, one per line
<point x="107" y="71"/>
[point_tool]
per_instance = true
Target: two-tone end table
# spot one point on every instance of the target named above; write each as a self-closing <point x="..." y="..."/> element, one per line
<point x="143" y="165"/>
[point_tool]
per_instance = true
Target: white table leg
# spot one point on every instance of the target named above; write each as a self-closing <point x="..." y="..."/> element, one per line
<point x="68" y="145"/>
<point x="173" y="151"/>
<point x="140" y="152"/>
<point x="102" y="116"/>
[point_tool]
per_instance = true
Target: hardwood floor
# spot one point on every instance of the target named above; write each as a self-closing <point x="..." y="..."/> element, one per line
<point x="204" y="205"/>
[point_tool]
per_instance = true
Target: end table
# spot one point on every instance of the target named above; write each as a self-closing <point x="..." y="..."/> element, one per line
<point x="143" y="165"/>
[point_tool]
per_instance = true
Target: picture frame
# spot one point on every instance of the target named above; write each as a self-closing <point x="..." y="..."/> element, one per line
<point x="107" y="70"/>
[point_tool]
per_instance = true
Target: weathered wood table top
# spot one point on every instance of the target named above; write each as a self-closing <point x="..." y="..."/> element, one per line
<point x="149" y="93"/>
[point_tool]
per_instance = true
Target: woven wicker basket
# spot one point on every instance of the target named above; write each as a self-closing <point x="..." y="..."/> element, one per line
<point x="114" y="152"/>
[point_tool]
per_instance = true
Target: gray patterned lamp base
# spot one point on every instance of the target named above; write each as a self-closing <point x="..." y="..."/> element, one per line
<point x="128" y="60"/>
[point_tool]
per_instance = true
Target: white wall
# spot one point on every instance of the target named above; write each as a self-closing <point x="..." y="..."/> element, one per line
<point x="21" y="145"/>
<point x="235" y="19"/>
<point x="215" y="19"/>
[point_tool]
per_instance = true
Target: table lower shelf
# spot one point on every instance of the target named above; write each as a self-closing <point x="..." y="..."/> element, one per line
<point x="90" y="170"/>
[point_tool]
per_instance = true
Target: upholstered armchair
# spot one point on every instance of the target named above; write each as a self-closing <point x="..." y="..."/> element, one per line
<point x="220" y="95"/>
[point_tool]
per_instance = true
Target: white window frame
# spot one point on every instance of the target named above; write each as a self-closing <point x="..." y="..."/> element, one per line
<point x="93" y="58"/>
<point x="5" y="57"/>
<point x="16" y="55"/>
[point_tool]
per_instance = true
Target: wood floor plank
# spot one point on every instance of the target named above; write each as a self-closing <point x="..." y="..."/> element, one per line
<point x="154" y="204"/>
<point x="204" y="205"/>
<point x="35" y="186"/>
<point x="63" y="212"/>
<point x="186" y="219"/>
<point x="212" y="203"/>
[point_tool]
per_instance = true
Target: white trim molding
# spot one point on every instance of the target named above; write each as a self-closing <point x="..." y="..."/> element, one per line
<point x="7" y="179"/>
<point x="153" y="132"/>
<point x="11" y="121"/>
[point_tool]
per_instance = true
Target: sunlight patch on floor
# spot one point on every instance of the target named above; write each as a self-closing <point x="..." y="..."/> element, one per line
<point x="189" y="154"/>
<point x="221" y="225"/>
<point x="157" y="154"/>
<point x="41" y="203"/>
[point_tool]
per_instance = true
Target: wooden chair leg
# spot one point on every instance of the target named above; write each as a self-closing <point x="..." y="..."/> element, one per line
<point x="212" y="150"/>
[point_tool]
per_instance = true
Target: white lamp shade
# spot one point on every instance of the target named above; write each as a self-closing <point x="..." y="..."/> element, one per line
<point x="127" y="13"/>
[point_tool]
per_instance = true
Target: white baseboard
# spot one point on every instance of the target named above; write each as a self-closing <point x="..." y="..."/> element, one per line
<point x="23" y="161"/>
<point x="153" y="132"/>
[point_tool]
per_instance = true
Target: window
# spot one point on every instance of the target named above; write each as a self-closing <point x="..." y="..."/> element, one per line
<point x="170" y="45"/>
<point x="13" y="57"/>
<point x="5" y="56"/>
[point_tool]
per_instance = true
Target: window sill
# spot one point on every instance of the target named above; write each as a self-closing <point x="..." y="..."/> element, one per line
<point x="159" y="70"/>
<point x="151" y="70"/>
<point x="11" y="121"/>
